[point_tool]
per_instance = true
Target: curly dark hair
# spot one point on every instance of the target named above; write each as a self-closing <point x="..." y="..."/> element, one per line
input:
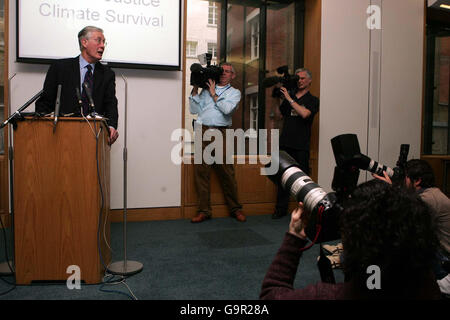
<point x="392" y="228"/>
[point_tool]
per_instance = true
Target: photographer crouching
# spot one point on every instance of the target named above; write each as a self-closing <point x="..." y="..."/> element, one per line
<point x="389" y="243"/>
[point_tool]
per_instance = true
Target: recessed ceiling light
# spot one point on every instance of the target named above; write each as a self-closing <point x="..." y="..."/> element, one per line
<point x="445" y="6"/>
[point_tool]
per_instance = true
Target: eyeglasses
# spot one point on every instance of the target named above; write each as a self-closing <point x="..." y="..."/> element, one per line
<point x="99" y="40"/>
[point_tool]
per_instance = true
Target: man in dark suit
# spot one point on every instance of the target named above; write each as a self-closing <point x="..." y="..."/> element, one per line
<point x="71" y="73"/>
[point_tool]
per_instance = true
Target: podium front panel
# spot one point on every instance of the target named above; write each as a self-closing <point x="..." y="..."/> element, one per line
<point x="61" y="197"/>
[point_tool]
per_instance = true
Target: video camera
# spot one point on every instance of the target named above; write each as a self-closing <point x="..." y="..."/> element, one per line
<point x="200" y="75"/>
<point x="287" y="80"/>
<point x="324" y="208"/>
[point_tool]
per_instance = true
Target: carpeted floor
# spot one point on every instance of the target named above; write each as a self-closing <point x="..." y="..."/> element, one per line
<point x="220" y="259"/>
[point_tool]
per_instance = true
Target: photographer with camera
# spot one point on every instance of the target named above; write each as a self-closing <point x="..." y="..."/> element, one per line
<point x="383" y="228"/>
<point x="419" y="177"/>
<point x="298" y="109"/>
<point x="214" y="106"/>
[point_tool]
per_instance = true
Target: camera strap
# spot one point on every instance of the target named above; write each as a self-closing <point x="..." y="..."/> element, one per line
<point x="228" y="86"/>
<point x="318" y="228"/>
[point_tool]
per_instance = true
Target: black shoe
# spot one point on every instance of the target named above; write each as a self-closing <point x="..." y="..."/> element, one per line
<point x="278" y="215"/>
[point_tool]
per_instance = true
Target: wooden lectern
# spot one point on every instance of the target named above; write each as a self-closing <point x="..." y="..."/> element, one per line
<point x="60" y="203"/>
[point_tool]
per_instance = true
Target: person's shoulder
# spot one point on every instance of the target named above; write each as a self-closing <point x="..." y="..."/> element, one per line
<point x="105" y="68"/>
<point x="313" y="97"/>
<point x="435" y="198"/>
<point x="234" y="90"/>
<point x="64" y="61"/>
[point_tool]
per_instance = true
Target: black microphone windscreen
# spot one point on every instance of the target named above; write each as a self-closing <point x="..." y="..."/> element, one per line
<point x="270" y="81"/>
<point x="88" y="93"/>
<point x="196" y="67"/>
<point x="283" y="69"/>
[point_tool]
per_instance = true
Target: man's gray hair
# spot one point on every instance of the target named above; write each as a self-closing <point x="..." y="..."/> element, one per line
<point x="85" y="33"/>
<point x="308" y="73"/>
<point x="227" y="64"/>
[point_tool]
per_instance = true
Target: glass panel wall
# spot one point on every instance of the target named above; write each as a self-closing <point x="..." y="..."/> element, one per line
<point x="202" y="36"/>
<point x="259" y="37"/>
<point x="279" y="53"/>
<point x="437" y="109"/>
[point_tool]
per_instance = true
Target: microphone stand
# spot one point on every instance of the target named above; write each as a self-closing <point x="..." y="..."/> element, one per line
<point x="17" y="113"/>
<point x="125" y="267"/>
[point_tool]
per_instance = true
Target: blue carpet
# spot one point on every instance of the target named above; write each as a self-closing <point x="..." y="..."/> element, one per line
<point x="220" y="259"/>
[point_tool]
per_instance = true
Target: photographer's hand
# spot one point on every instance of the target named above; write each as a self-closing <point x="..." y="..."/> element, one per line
<point x="298" y="224"/>
<point x="386" y="177"/>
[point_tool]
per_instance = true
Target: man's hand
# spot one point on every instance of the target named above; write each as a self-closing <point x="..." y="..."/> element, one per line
<point x="285" y="92"/>
<point x="113" y="135"/>
<point x="386" y="178"/>
<point x="211" y="87"/>
<point x="298" y="223"/>
<point x="194" y="91"/>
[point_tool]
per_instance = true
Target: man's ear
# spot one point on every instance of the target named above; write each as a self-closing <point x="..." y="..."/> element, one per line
<point x="84" y="42"/>
<point x="417" y="183"/>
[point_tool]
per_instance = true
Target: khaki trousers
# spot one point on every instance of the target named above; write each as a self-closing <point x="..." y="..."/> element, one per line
<point x="226" y="175"/>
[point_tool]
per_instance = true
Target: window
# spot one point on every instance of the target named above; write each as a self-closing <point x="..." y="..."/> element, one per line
<point x="437" y="112"/>
<point x="212" y="48"/>
<point x="254" y="34"/>
<point x="212" y="13"/>
<point x="191" y="48"/>
<point x="253" y="104"/>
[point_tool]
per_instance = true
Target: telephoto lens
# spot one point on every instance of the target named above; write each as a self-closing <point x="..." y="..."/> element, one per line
<point x="319" y="205"/>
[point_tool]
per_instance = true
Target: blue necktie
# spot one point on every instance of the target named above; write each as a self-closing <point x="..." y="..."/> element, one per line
<point x="89" y="80"/>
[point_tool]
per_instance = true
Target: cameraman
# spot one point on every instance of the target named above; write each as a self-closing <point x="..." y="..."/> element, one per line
<point x="298" y="109"/>
<point x="382" y="226"/>
<point x="214" y="107"/>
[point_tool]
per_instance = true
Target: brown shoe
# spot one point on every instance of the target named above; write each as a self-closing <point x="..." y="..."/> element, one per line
<point x="240" y="216"/>
<point x="200" y="218"/>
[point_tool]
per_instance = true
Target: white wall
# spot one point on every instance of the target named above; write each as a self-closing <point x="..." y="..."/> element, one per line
<point x="154" y="111"/>
<point x="371" y="80"/>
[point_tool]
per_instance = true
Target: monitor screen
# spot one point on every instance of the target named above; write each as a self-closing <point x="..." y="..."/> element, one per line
<point x="139" y="33"/>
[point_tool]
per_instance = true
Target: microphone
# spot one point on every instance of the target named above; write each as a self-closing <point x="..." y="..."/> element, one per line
<point x="89" y="95"/>
<point x="80" y="101"/>
<point x="57" y="106"/>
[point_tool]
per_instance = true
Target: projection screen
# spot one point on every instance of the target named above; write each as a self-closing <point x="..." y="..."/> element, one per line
<point x="139" y="33"/>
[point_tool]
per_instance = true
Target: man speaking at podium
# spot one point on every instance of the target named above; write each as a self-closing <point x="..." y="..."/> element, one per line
<point x="85" y="82"/>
